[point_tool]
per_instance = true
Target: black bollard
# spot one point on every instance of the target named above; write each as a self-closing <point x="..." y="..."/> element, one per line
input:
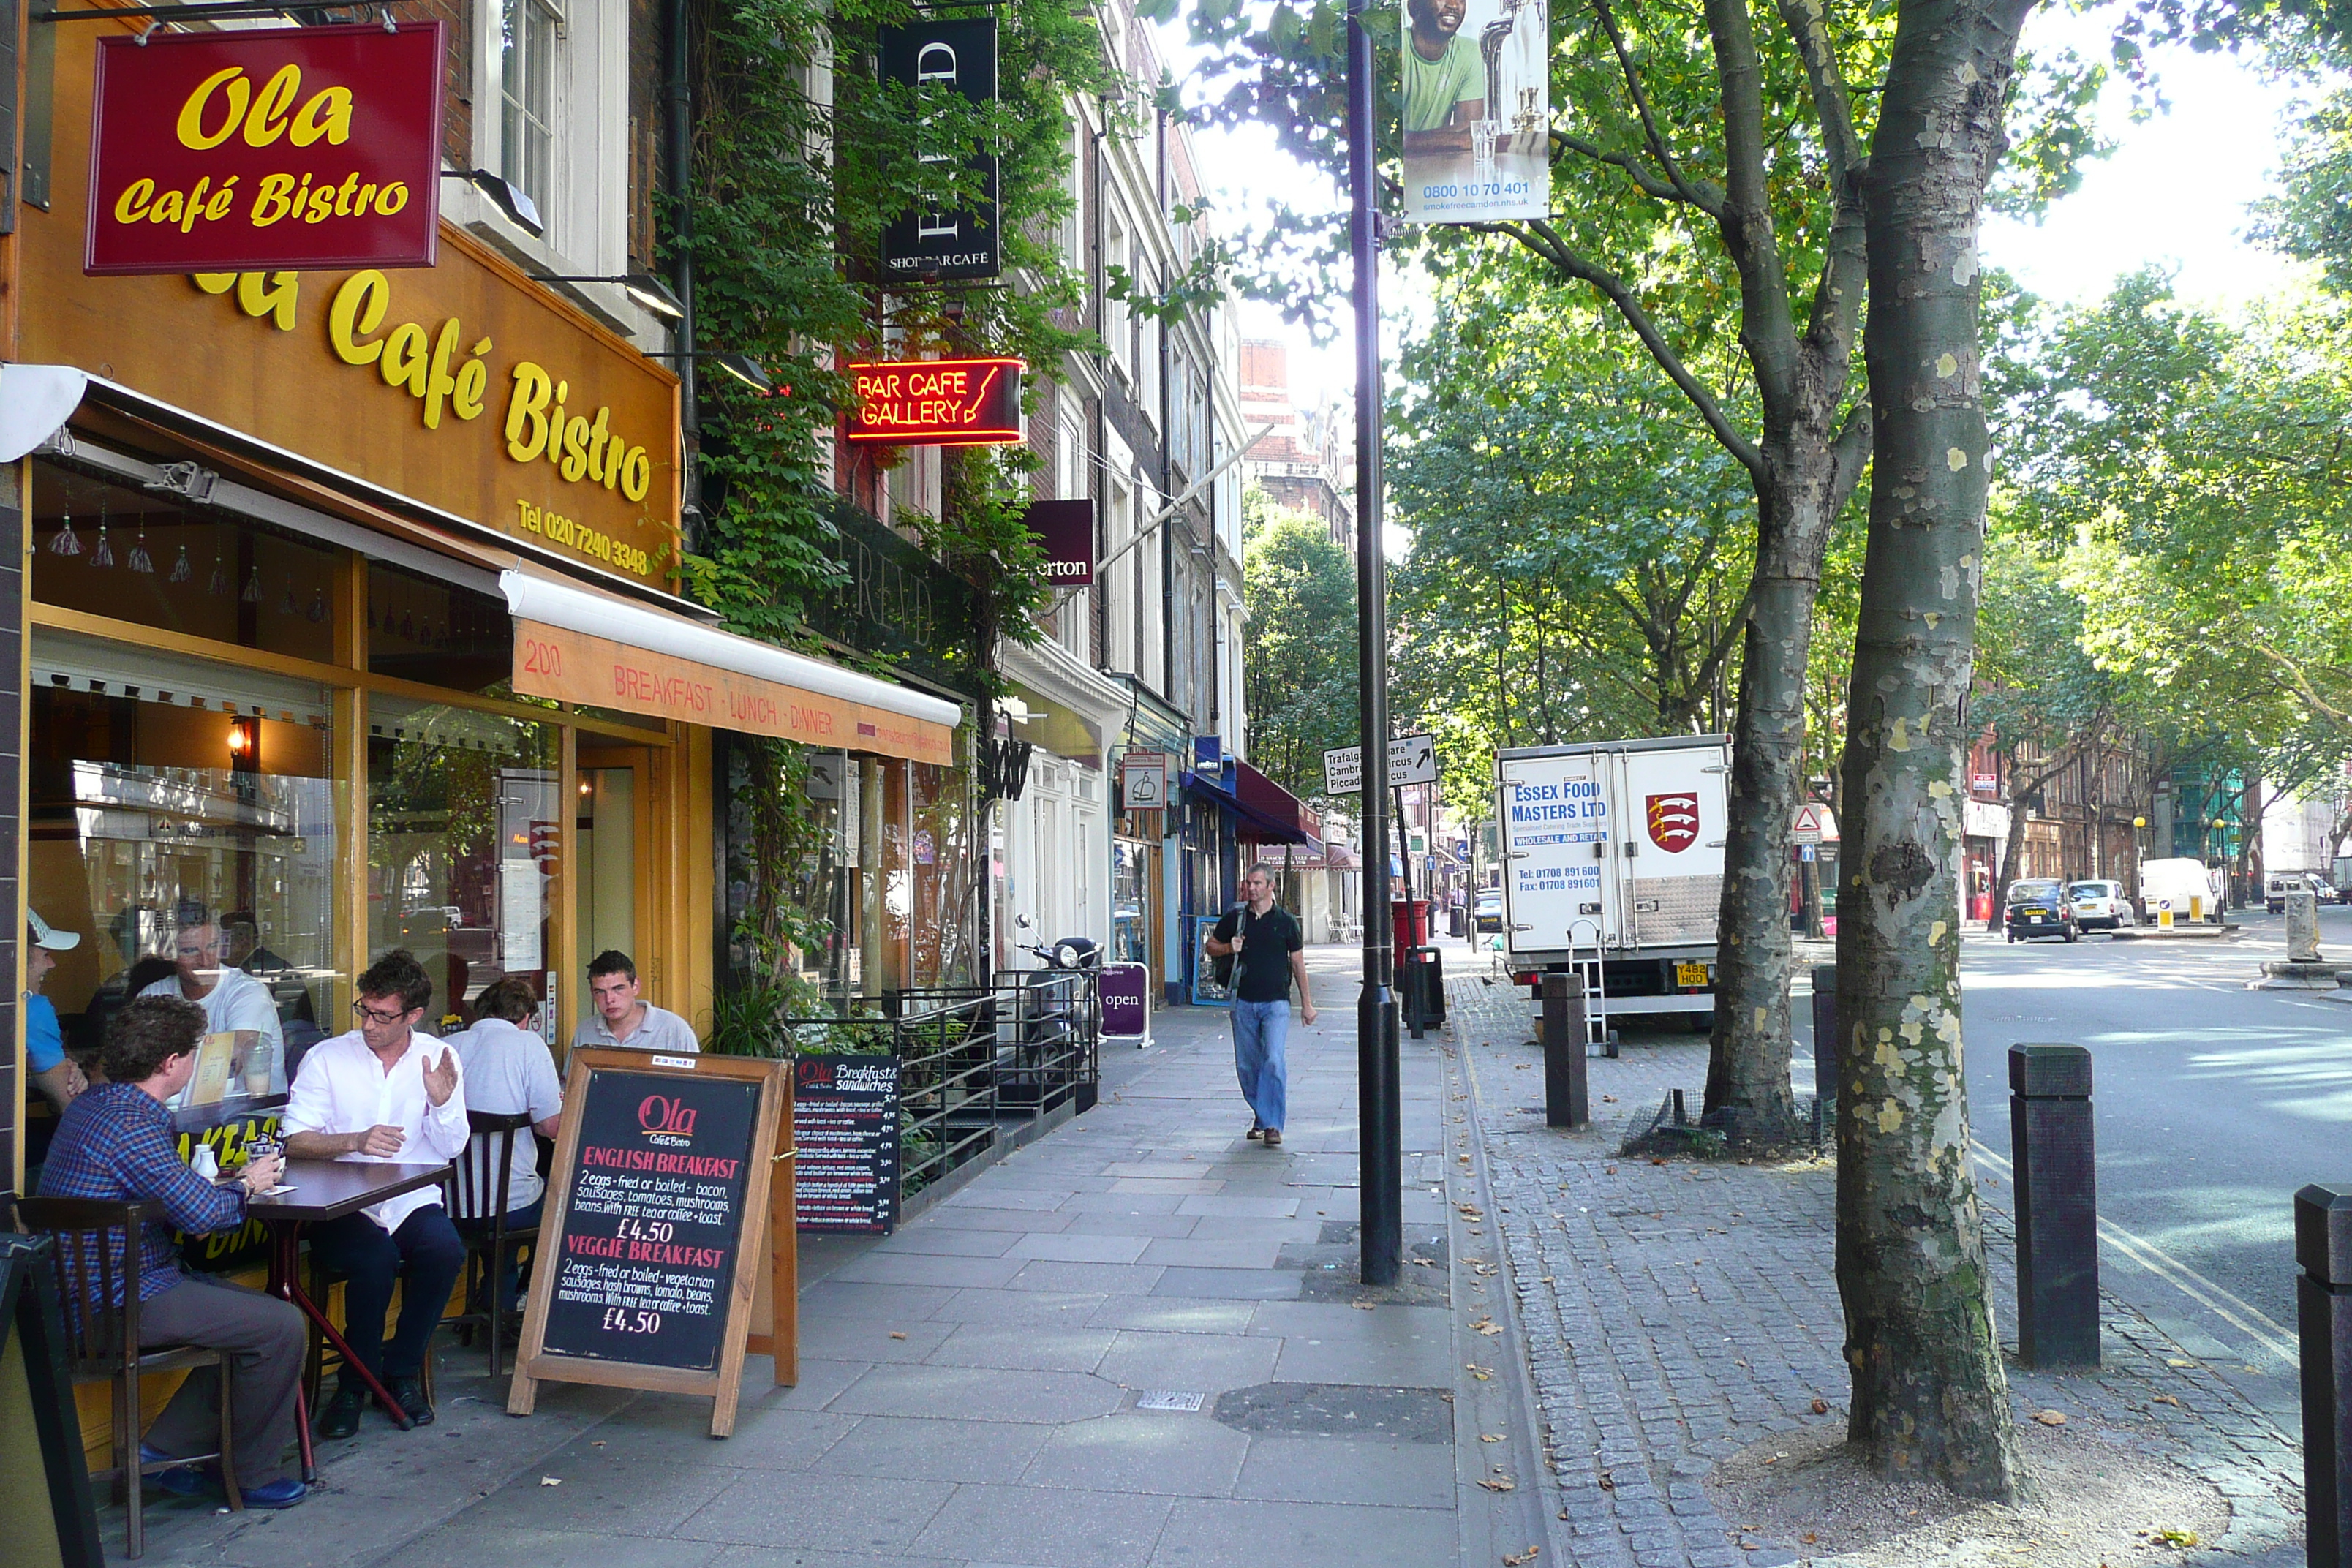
<point x="2323" y="1305"/>
<point x="1568" y="1099"/>
<point x="2057" y="1205"/>
<point x="1416" y="992"/>
<point x="1825" y="1070"/>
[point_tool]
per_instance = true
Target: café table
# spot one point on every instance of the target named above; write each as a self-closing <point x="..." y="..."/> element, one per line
<point x="324" y="1190"/>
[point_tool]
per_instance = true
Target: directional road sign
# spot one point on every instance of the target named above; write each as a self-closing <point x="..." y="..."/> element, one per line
<point x="1413" y="758"/>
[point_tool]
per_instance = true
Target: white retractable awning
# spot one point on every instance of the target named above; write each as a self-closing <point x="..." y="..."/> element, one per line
<point x="575" y="644"/>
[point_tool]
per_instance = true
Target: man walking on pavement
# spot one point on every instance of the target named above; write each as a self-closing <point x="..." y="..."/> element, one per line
<point x="1266" y="947"/>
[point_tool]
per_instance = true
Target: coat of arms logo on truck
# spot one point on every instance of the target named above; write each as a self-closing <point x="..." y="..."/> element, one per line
<point x="1674" y="821"/>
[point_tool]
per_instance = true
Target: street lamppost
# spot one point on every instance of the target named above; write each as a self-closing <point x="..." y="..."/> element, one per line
<point x="1379" y="1117"/>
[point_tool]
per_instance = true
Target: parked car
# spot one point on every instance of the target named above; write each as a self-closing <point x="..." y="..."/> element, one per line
<point x="2100" y="905"/>
<point x="2039" y="907"/>
<point x="1487" y="916"/>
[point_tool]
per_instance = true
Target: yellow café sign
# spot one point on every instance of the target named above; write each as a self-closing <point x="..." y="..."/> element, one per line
<point x="466" y="387"/>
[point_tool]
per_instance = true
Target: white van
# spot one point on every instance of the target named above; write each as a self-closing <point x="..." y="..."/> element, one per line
<point x="2186" y="889"/>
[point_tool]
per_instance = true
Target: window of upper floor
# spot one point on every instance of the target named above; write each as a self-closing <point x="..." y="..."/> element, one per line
<point x="1117" y="334"/>
<point x="564" y="110"/>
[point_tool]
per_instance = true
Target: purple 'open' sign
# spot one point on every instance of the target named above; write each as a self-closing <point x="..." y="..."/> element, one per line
<point x="1065" y="530"/>
<point x="1126" y="1000"/>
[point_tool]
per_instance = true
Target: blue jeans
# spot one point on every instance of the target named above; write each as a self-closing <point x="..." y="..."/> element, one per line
<point x="1259" y="1030"/>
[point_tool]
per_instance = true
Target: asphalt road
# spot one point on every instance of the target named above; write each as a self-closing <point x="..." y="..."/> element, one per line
<point x="2213" y="1104"/>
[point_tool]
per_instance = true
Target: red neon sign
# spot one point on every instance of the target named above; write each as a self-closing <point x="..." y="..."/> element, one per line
<point x="296" y="148"/>
<point x="937" y="402"/>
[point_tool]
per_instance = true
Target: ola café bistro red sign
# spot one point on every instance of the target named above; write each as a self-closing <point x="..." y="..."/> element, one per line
<point x="294" y="148"/>
<point x="936" y="402"/>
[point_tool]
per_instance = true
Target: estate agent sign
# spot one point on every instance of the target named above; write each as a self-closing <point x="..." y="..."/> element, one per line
<point x="300" y="148"/>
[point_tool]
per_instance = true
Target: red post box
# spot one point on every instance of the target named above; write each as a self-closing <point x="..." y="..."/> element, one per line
<point x="1410" y="917"/>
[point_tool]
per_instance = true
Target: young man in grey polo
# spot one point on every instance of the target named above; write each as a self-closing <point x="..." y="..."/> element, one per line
<point x="620" y="1016"/>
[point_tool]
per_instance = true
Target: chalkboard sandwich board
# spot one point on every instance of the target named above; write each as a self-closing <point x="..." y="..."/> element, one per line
<point x="648" y="1251"/>
<point x="845" y="1127"/>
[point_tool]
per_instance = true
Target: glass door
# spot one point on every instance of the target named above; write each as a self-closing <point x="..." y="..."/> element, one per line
<point x="605" y="849"/>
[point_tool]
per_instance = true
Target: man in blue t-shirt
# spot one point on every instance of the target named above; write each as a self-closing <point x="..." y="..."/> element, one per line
<point x="1266" y="945"/>
<point x="54" y="1074"/>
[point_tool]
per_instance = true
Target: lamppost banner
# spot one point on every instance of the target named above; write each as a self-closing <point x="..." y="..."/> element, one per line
<point x="1477" y="110"/>
<point x="287" y="148"/>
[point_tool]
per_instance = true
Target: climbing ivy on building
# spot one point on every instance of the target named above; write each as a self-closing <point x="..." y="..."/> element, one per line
<point x="795" y="173"/>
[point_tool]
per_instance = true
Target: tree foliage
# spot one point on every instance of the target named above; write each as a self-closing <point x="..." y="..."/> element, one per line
<point x="1298" y="644"/>
<point x="2188" y="477"/>
<point x="1580" y="547"/>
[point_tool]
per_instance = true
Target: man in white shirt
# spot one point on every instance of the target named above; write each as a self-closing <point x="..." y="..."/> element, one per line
<point x="384" y="1093"/>
<point x="623" y="1017"/>
<point x="234" y="1003"/>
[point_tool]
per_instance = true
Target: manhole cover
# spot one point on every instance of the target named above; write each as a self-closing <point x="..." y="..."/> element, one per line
<point x="1168" y="1399"/>
<point x="1338" y="1410"/>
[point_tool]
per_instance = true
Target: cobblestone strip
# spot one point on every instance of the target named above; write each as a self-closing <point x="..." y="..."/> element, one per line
<point x="1676" y="1313"/>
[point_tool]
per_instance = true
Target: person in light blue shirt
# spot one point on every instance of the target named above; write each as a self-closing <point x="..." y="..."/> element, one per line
<point x="45" y="1042"/>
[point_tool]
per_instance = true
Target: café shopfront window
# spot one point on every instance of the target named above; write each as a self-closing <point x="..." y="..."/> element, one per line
<point x="184" y="816"/>
<point x="879" y="867"/>
<point x="258" y="762"/>
<point x="462" y="824"/>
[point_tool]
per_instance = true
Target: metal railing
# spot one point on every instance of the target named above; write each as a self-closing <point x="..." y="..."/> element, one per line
<point x="978" y="1063"/>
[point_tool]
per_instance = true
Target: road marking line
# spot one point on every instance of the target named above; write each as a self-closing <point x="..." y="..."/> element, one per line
<point x="2247" y="1318"/>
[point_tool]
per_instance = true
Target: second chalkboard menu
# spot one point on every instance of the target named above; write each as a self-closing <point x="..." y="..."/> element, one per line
<point x="654" y="1224"/>
<point x="846" y="1126"/>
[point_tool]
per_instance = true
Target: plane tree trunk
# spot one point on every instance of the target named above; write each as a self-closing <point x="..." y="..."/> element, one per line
<point x="1930" y="1397"/>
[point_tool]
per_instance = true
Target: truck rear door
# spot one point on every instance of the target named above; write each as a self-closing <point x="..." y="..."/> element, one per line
<point x="1675" y="802"/>
<point x="1556" y="831"/>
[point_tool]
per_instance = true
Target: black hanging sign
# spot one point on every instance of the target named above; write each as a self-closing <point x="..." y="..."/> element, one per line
<point x="846" y="1126"/>
<point x="654" y="1219"/>
<point x="956" y="56"/>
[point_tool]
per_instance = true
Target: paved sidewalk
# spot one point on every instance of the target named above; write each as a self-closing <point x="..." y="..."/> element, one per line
<point x="1137" y="1343"/>
<point x="1676" y="1313"/>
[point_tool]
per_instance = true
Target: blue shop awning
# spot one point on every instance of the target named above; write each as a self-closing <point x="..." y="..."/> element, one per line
<point x="1264" y="812"/>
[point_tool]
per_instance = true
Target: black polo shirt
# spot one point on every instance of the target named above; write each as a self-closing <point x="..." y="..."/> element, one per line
<point x="1263" y="965"/>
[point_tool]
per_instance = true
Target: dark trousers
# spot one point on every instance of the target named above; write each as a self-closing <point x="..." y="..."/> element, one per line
<point x="267" y="1338"/>
<point x="511" y="1277"/>
<point x="357" y="1248"/>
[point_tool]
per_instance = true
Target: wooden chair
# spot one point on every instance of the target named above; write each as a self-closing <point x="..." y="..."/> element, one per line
<point x="478" y="1184"/>
<point x="103" y="1338"/>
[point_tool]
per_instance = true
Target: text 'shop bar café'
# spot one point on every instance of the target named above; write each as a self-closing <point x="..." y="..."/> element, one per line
<point x="351" y="616"/>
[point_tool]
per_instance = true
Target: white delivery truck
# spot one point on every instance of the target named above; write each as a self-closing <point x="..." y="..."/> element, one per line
<point x="1612" y="867"/>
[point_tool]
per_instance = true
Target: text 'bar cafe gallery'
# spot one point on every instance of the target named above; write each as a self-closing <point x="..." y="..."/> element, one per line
<point x="350" y="617"/>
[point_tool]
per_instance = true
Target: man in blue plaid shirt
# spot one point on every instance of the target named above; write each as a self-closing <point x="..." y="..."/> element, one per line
<point x="115" y="1143"/>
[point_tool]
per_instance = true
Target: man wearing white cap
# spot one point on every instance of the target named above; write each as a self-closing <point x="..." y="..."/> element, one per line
<point x="54" y="1073"/>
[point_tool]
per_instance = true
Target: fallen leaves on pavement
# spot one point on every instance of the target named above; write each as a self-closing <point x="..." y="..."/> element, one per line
<point x="2052" y="1418"/>
<point x="1527" y="1556"/>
